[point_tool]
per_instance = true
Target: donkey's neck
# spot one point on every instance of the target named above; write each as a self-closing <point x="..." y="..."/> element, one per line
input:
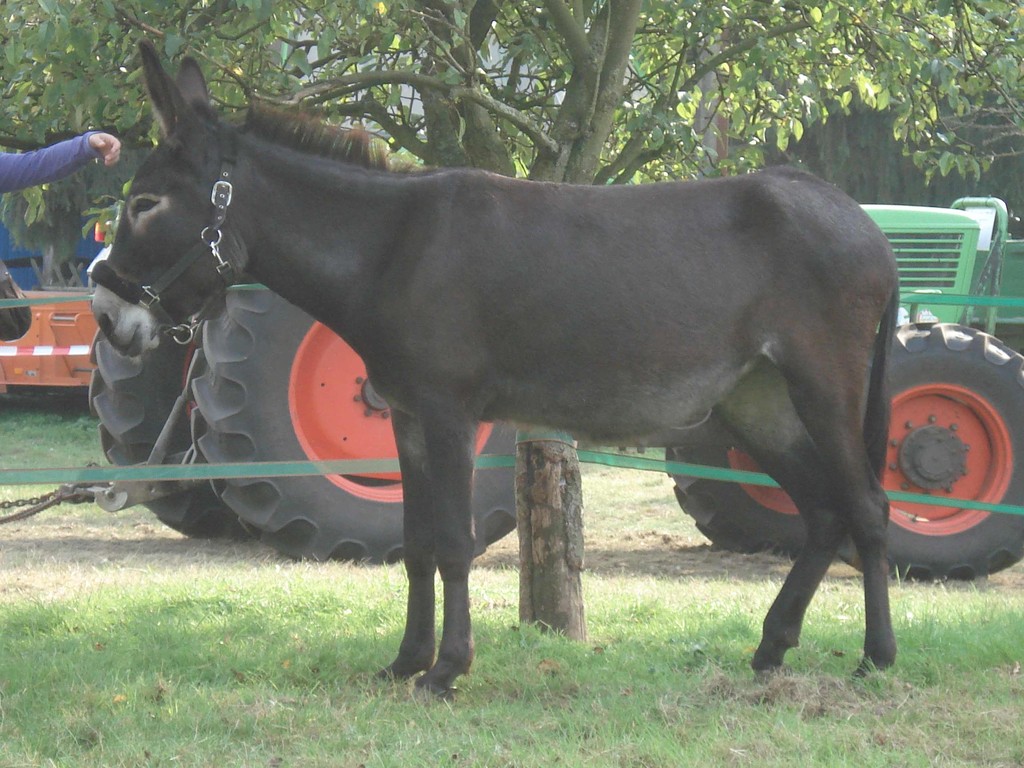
<point x="315" y="229"/>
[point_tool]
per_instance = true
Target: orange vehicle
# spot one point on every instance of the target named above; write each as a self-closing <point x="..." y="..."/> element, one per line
<point x="56" y="350"/>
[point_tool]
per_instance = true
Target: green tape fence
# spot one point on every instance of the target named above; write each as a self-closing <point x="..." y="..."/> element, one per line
<point x="150" y="472"/>
<point x="253" y="470"/>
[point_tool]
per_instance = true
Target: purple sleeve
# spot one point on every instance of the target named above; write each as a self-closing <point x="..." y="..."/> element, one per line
<point x="28" y="169"/>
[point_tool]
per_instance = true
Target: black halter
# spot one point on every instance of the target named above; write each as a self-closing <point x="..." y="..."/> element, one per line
<point x="209" y="243"/>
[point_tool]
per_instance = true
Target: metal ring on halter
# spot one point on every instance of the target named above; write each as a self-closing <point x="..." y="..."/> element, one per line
<point x="206" y="238"/>
<point x="183" y="334"/>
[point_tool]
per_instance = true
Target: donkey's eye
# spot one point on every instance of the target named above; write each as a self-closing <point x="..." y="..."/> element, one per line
<point x="142" y="204"/>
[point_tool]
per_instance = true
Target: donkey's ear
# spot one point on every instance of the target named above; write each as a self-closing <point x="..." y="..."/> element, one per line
<point x="192" y="86"/>
<point x="168" y="105"/>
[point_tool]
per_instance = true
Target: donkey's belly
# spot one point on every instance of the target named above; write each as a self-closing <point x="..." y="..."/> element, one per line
<point x="639" y="409"/>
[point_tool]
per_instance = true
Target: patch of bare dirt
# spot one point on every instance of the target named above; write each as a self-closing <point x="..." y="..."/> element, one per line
<point x="656" y="553"/>
<point x="39" y="556"/>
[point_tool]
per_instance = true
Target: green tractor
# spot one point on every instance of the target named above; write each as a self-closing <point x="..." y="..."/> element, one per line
<point x="958" y="407"/>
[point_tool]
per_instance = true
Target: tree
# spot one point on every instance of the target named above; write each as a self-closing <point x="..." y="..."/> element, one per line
<point x="859" y="153"/>
<point x="605" y="91"/>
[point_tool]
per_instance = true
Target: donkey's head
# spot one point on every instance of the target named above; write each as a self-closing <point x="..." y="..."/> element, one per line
<point x="165" y="264"/>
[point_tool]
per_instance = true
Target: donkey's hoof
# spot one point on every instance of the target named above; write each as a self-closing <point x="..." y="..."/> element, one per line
<point x="869" y="667"/>
<point x="426" y="690"/>
<point x="400" y="670"/>
<point x="767" y="661"/>
<point x="770" y="673"/>
<point x="434" y="693"/>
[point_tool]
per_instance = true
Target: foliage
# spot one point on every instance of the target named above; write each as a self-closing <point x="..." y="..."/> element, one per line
<point x="859" y="152"/>
<point x="586" y="91"/>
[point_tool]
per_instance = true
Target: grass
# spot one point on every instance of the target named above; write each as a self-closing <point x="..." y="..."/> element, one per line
<point x="272" y="666"/>
<point x="48" y="429"/>
<point x="45" y="428"/>
<point x="206" y="656"/>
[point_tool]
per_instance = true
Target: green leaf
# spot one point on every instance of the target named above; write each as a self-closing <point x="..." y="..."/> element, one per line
<point x="173" y="43"/>
<point x="13" y="52"/>
<point x="946" y="162"/>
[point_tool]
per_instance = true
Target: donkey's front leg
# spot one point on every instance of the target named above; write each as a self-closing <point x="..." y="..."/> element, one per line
<point x="416" y="653"/>
<point x="449" y="439"/>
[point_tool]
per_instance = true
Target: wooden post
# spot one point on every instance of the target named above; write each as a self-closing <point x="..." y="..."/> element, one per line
<point x="549" y="516"/>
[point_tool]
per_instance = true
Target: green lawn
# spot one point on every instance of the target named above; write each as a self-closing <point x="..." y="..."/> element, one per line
<point x="124" y="644"/>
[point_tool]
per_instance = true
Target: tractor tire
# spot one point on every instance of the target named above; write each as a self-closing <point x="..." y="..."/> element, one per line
<point x="957" y="431"/>
<point x="132" y="399"/>
<point x="735" y="517"/>
<point x="281" y="387"/>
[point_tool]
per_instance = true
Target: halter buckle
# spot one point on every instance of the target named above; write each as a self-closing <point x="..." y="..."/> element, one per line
<point x="149" y="297"/>
<point x="222" y="193"/>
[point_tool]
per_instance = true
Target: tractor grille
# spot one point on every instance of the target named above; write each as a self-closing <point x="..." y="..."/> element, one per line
<point x="927" y="259"/>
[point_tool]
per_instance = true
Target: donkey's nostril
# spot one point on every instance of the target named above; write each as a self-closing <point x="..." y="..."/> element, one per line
<point x="103" y="319"/>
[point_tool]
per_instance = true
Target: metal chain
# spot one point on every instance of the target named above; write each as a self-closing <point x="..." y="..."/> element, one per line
<point x="71" y="493"/>
<point x="26" y="502"/>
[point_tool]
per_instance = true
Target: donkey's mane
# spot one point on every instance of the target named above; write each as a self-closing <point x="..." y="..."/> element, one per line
<point x="307" y="133"/>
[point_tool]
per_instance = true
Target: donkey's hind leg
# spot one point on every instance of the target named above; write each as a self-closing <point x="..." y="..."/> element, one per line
<point x="833" y="412"/>
<point x="799" y="473"/>
<point x="831" y="493"/>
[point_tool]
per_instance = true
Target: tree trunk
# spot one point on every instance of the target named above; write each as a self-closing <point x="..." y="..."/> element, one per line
<point x="549" y="512"/>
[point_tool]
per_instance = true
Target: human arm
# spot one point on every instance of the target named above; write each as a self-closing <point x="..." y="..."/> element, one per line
<point x="28" y="169"/>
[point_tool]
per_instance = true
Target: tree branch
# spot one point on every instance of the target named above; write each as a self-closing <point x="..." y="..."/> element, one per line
<point x="511" y="115"/>
<point x="572" y="32"/>
<point x="362" y="80"/>
<point x="712" y="63"/>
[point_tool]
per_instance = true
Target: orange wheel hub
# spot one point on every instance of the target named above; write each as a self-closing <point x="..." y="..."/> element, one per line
<point x="336" y="414"/>
<point x="946" y="441"/>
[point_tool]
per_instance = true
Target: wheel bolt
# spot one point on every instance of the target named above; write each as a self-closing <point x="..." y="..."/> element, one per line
<point x="909" y="425"/>
<point x="932" y="419"/>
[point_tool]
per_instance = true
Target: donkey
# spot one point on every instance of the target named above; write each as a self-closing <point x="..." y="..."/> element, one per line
<point x="619" y="314"/>
<point x="14" y="321"/>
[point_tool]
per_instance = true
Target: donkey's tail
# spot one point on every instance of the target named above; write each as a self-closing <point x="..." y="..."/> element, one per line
<point x="879" y="406"/>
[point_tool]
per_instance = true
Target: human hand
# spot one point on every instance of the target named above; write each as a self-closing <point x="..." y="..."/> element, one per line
<point x="108" y="147"/>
